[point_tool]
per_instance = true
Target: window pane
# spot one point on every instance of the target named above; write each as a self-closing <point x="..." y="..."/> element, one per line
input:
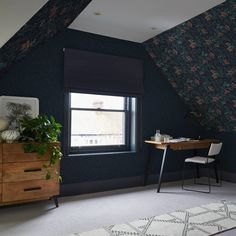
<point x="97" y="128"/>
<point x="79" y="100"/>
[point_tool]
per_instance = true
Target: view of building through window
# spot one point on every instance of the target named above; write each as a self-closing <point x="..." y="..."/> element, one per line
<point x="97" y="120"/>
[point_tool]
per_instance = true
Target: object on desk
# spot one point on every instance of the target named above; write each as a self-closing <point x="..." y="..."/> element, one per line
<point x="178" y="140"/>
<point x="166" y="138"/>
<point x="183" y="139"/>
<point x="175" y="140"/>
<point x="161" y="137"/>
<point x="158" y="136"/>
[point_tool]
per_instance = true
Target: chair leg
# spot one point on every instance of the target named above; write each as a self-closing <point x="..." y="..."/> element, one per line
<point x="216" y="172"/>
<point x="197" y="175"/>
<point x="219" y="173"/>
<point x="197" y="171"/>
<point x="209" y="178"/>
<point x="199" y="191"/>
<point x="183" y="177"/>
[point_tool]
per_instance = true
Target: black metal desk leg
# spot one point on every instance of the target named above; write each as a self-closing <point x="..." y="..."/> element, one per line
<point x="161" y="171"/>
<point x="147" y="164"/>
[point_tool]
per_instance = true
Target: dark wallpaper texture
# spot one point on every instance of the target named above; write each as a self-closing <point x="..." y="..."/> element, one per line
<point x="53" y="17"/>
<point x="198" y="58"/>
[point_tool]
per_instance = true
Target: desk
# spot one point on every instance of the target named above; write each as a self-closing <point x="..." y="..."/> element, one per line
<point x="186" y="145"/>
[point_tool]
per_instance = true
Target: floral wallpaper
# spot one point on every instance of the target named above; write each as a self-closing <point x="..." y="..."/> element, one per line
<point x="53" y="17"/>
<point x="198" y="58"/>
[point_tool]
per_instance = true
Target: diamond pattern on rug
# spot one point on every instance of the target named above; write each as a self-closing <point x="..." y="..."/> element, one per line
<point x="196" y="210"/>
<point x="197" y="221"/>
<point x="141" y="225"/>
<point x="121" y="229"/>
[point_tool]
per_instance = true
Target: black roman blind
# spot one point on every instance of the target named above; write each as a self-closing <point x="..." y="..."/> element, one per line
<point x="95" y="72"/>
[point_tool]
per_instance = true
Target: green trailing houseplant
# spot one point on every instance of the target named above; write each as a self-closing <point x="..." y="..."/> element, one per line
<point x="41" y="134"/>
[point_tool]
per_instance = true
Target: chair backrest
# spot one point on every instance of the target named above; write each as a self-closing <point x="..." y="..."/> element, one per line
<point x="214" y="149"/>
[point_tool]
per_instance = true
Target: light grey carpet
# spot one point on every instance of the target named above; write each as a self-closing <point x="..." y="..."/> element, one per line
<point x="92" y="211"/>
<point x="202" y="220"/>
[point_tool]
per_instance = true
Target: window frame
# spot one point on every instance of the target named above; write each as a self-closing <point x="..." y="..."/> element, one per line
<point x="127" y="147"/>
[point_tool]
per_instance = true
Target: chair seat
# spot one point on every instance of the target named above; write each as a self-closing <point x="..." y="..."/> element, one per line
<point x="200" y="160"/>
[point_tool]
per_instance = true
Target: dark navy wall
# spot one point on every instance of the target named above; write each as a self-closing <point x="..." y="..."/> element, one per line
<point x="228" y="150"/>
<point x="41" y="75"/>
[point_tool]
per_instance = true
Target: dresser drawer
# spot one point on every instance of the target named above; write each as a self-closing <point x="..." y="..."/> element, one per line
<point x="28" y="190"/>
<point x="0" y="193"/>
<point x="0" y="174"/>
<point x="14" y="172"/>
<point x="15" y="153"/>
<point x="0" y="153"/>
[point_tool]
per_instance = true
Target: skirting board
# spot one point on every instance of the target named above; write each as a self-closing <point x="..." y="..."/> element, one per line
<point x="112" y="184"/>
<point x="228" y="176"/>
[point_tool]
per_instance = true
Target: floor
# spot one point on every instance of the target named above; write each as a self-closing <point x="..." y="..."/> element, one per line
<point x="91" y="211"/>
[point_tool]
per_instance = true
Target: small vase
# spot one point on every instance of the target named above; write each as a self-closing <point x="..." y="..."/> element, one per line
<point x="10" y="135"/>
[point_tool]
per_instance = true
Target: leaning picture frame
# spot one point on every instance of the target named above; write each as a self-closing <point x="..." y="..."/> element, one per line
<point x="30" y="101"/>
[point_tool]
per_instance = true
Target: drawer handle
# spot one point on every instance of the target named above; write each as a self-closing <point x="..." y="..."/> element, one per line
<point x="32" y="189"/>
<point x="33" y="170"/>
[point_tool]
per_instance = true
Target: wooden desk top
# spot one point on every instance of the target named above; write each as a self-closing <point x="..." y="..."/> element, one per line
<point x="185" y="145"/>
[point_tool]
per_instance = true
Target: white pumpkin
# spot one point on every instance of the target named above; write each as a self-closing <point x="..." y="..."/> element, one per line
<point x="10" y="135"/>
<point x="3" y="124"/>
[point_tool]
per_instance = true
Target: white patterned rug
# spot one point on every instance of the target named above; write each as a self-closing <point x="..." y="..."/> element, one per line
<point x="197" y="221"/>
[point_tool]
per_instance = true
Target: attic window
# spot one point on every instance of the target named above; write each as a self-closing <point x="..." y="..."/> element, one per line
<point x="100" y="123"/>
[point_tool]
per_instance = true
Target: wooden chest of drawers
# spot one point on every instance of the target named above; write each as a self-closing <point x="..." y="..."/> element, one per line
<point x="22" y="176"/>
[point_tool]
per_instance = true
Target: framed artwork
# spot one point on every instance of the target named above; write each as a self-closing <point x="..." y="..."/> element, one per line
<point x="31" y="103"/>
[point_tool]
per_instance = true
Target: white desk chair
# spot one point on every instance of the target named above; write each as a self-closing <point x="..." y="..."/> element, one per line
<point x="213" y="151"/>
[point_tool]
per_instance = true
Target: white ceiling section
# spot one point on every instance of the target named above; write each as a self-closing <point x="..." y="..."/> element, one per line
<point x="14" y="14"/>
<point x="133" y="20"/>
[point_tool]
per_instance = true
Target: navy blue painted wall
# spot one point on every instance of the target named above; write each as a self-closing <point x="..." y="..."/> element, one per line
<point x="41" y="75"/>
<point x="228" y="152"/>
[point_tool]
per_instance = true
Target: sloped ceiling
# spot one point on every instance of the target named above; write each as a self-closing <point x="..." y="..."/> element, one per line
<point x="14" y="14"/>
<point x="198" y="58"/>
<point x="53" y="17"/>
<point x="134" y="20"/>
